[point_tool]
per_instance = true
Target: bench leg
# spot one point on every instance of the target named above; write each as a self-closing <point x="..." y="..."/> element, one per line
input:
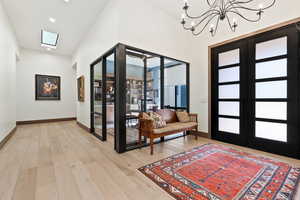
<point x="196" y="135"/>
<point x="151" y="145"/>
<point x="140" y="138"/>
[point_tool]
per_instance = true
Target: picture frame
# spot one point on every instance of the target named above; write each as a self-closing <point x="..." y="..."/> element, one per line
<point x="47" y="88"/>
<point x="80" y="89"/>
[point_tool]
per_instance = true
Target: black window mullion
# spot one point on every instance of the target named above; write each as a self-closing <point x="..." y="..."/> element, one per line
<point x="229" y="83"/>
<point x="271" y="120"/>
<point x="229" y="66"/>
<point x="272" y="58"/>
<point x="228" y="116"/>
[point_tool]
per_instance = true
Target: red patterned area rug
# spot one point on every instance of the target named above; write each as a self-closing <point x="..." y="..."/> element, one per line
<point x="215" y="172"/>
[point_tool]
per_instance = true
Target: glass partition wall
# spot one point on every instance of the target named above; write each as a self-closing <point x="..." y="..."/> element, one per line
<point x="134" y="81"/>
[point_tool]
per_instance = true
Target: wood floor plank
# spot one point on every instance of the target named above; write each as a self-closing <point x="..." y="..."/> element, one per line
<point x="26" y="185"/>
<point x="46" y="186"/>
<point x="61" y="161"/>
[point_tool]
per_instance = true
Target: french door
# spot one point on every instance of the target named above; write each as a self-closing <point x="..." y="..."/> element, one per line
<point x="229" y="96"/>
<point x="255" y="92"/>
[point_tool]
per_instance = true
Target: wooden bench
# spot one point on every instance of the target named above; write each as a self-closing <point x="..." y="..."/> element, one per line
<point x="146" y="126"/>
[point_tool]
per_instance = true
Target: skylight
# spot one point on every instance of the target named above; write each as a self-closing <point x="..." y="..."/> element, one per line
<point x="49" y="39"/>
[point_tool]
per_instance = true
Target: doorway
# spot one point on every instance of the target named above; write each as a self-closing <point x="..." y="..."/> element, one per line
<point x="103" y="96"/>
<point x="255" y="92"/>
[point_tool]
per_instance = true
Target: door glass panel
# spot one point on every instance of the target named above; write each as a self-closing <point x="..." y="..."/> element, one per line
<point x="272" y="89"/>
<point x="110" y="95"/>
<point x="271" y="48"/>
<point x="153" y="83"/>
<point x="229" y="91"/>
<point x="229" y="57"/>
<point x="98" y="98"/>
<point x="229" y="108"/>
<point x="271" y="131"/>
<point x="229" y="74"/>
<point x="175" y="85"/>
<point x="271" y="110"/>
<point x="271" y="69"/>
<point x="135" y="94"/>
<point x="229" y="125"/>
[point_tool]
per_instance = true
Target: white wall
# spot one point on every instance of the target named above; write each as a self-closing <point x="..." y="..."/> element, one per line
<point x="141" y="25"/>
<point x="8" y="52"/>
<point x="35" y="62"/>
<point x="101" y="37"/>
<point x="149" y="28"/>
<point x="281" y="12"/>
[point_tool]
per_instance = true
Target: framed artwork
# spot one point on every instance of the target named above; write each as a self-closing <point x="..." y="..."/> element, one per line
<point x="80" y="88"/>
<point x="47" y="87"/>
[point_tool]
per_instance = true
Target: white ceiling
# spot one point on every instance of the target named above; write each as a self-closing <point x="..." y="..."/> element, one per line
<point x="73" y="20"/>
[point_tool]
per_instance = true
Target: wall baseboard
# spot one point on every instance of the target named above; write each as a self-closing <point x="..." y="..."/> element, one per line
<point x="203" y="134"/>
<point x="84" y="127"/>
<point x="45" y="121"/>
<point x="11" y="133"/>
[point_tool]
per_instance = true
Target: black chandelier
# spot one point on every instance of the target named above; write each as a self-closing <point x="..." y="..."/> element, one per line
<point x="218" y="11"/>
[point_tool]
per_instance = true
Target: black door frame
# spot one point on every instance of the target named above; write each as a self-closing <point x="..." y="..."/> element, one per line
<point x="247" y="93"/>
<point x="102" y="59"/>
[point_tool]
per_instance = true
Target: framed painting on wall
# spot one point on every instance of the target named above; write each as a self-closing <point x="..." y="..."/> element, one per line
<point x="47" y="87"/>
<point x="80" y="88"/>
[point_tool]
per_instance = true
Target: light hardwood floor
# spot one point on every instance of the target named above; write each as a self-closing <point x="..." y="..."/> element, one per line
<point x="60" y="161"/>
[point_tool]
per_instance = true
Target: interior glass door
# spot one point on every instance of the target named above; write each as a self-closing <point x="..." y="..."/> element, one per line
<point x="97" y="101"/>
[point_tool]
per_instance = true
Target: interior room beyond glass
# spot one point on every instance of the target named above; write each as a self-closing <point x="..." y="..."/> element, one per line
<point x="126" y="81"/>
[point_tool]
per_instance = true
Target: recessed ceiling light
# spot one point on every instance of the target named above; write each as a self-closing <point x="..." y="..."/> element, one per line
<point x="67" y="1"/>
<point x="51" y="19"/>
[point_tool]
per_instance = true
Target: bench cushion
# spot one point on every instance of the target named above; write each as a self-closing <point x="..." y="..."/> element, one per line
<point x="175" y="126"/>
<point x="168" y="115"/>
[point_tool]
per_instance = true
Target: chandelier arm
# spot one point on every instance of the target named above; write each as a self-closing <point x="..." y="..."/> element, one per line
<point x="200" y="16"/>
<point x="213" y="4"/>
<point x="249" y="20"/>
<point x="202" y="20"/>
<point x="208" y="2"/>
<point x="238" y="5"/>
<point x="236" y="10"/>
<point x="217" y="25"/>
<point x="229" y="23"/>
<point x="212" y="17"/>
<point x="186" y="28"/>
<point x="245" y="8"/>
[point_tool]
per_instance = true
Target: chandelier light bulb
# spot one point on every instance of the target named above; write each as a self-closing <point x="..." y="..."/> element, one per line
<point x="183" y="16"/>
<point x="260" y="6"/>
<point x="192" y="23"/>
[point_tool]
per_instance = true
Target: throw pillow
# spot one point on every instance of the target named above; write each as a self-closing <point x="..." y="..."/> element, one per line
<point x="158" y="120"/>
<point x="183" y="116"/>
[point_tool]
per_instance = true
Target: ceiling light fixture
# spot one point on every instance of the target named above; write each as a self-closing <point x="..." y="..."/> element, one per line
<point x="67" y="1"/>
<point x="51" y="19"/>
<point x="49" y="39"/>
<point x="220" y="10"/>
